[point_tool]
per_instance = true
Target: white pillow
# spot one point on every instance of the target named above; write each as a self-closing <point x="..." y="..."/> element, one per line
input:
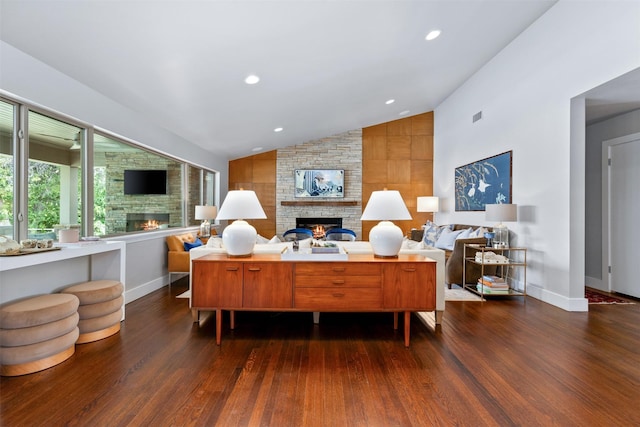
<point x="261" y="240"/>
<point x="466" y="233"/>
<point x="447" y="239"/>
<point x="214" y="242"/>
<point x="275" y="239"/>
<point x="411" y="244"/>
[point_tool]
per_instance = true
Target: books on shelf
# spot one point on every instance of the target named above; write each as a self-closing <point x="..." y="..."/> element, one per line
<point x="492" y="290"/>
<point x="493" y="282"/>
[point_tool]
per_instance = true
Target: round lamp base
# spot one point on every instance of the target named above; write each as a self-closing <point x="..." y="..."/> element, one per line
<point x="386" y="239"/>
<point x="239" y="238"/>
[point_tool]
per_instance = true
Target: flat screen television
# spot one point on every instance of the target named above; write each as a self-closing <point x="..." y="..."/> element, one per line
<point x="138" y="181"/>
<point x="319" y="183"/>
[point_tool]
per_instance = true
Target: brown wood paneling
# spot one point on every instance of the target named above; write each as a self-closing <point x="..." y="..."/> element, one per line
<point x="399" y="171"/>
<point x="264" y="171"/>
<point x="422" y="124"/>
<point x="421" y="171"/>
<point x="241" y="170"/>
<point x="422" y="147"/>
<point x="376" y="130"/>
<point x="374" y="147"/>
<point x="374" y="171"/>
<point x="399" y="147"/>
<point x="399" y="127"/>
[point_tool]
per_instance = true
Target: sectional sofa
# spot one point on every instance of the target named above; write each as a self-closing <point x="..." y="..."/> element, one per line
<point x="409" y="247"/>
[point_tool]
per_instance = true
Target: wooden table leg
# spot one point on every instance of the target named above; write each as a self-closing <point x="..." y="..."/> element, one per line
<point x="232" y="319"/>
<point x="407" y="327"/>
<point x="218" y="326"/>
<point x="395" y="320"/>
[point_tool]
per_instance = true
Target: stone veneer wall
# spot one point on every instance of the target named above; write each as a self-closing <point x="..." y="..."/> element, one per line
<point x="343" y="151"/>
<point x="118" y="205"/>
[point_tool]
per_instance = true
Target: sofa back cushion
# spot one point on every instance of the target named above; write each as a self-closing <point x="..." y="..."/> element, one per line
<point x="176" y="243"/>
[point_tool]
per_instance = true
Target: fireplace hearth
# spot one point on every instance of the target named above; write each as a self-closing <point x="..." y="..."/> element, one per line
<point x="147" y="221"/>
<point x="319" y="226"/>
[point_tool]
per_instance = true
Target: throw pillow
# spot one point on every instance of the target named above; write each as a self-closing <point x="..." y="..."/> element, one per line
<point x="275" y="239"/>
<point x="447" y="239"/>
<point x="466" y="233"/>
<point x="214" y="242"/>
<point x="261" y="240"/>
<point x="432" y="232"/>
<point x="478" y="232"/>
<point x="188" y="246"/>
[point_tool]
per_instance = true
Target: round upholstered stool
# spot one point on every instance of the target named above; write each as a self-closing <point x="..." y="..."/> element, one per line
<point x="100" y="308"/>
<point x="37" y="333"/>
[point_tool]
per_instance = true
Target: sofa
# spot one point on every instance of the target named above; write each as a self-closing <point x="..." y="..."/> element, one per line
<point x="177" y="256"/>
<point x="409" y="247"/>
<point x="454" y="256"/>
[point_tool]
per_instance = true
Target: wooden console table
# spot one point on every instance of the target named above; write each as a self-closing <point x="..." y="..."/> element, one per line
<point x="266" y="283"/>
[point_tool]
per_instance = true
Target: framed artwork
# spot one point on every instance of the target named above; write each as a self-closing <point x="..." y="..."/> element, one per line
<point x="487" y="181"/>
<point x="319" y="183"/>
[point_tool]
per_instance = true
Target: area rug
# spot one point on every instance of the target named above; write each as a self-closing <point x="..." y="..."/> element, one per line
<point x="598" y="298"/>
<point x="186" y="294"/>
<point x="459" y="294"/>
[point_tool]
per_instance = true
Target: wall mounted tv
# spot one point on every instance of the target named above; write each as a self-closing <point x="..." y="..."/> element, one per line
<point x="137" y="181"/>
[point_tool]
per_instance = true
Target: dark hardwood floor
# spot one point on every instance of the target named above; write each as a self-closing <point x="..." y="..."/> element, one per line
<point x="498" y="363"/>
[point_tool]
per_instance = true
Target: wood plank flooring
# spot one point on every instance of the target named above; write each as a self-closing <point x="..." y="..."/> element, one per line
<point x="504" y="362"/>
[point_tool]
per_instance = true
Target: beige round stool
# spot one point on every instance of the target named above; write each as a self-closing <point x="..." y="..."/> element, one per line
<point x="37" y="333"/>
<point x="100" y="308"/>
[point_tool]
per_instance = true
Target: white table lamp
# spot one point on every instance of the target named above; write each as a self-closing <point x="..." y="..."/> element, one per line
<point x="205" y="213"/>
<point x="501" y="213"/>
<point x="239" y="237"/>
<point x="386" y="237"/>
<point x="428" y="204"/>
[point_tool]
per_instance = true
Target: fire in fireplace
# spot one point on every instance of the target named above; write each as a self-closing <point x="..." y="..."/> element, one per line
<point x="319" y="226"/>
<point x="147" y="221"/>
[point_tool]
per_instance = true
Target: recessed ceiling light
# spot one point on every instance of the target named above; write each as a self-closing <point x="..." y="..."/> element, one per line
<point x="256" y="149"/>
<point x="252" y="79"/>
<point x="278" y="129"/>
<point x="432" y="35"/>
<point x="403" y="113"/>
<point x="390" y="101"/>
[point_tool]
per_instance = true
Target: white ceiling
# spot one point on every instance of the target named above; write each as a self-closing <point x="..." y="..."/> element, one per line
<point x="325" y="66"/>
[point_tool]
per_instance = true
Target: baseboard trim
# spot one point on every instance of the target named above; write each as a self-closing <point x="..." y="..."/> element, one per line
<point x="145" y="289"/>
<point x="560" y="301"/>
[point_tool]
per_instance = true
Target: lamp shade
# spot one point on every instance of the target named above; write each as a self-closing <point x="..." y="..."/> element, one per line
<point x="428" y="204"/>
<point x="241" y="204"/>
<point x="206" y="212"/>
<point x="501" y="212"/>
<point x="385" y="205"/>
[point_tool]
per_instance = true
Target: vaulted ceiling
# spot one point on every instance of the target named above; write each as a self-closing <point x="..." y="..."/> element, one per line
<point x="325" y="67"/>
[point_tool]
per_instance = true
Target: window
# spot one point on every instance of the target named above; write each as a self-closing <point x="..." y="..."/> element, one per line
<point x="7" y="118"/>
<point x="99" y="183"/>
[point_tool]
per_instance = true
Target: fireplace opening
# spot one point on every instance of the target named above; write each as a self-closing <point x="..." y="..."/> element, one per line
<point x="147" y="221"/>
<point x="319" y="226"/>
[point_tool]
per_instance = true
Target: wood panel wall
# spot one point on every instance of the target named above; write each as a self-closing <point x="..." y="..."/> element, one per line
<point x="258" y="173"/>
<point x="398" y="155"/>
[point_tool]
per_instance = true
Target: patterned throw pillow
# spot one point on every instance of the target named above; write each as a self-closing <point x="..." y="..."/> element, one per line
<point x="432" y="233"/>
<point x="447" y="239"/>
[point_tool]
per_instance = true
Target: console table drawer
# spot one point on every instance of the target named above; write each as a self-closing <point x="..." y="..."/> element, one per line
<point x="338" y="299"/>
<point x="338" y="281"/>
<point x="337" y="268"/>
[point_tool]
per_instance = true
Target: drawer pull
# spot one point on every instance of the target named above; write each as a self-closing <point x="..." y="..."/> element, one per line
<point x="254" y="268"/>
<point x="232" y="268"/>
<point x="338" y="294"/>
<point x="338" y="269"/>
<point x="338" y="282"/>
<point x="409" y="270"/>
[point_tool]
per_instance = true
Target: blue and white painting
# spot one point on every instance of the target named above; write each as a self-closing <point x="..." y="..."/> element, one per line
<point x="485" y="182"/>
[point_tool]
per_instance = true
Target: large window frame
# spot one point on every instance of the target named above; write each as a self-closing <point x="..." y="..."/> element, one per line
<point x="200" y="186"/>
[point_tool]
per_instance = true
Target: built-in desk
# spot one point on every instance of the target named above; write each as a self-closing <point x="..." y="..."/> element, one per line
<point x="46" y="272"/>
<point x="266" y="283"/>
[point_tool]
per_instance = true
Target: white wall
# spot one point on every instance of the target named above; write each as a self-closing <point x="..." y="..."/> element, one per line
<point x="25" y="77"/>
<point x="525" y="95"/>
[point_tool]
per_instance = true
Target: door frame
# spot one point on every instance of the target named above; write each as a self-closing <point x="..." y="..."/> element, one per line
<point x="606" y="203"/>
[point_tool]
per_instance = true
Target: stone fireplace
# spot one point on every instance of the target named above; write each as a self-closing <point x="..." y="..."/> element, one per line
<point x="147" y="221"/>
